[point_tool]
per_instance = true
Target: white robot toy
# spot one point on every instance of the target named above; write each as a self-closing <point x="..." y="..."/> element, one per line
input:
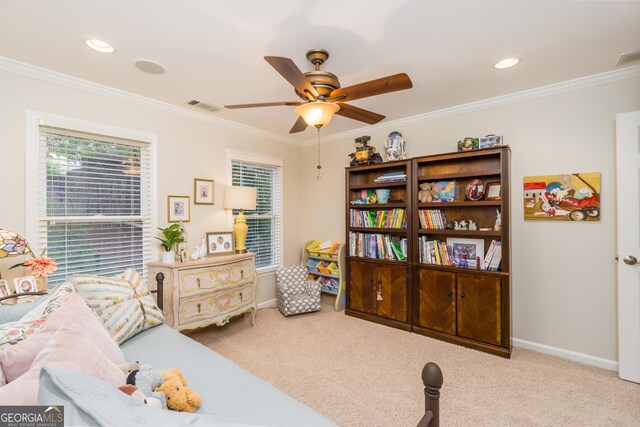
<point x="394" y="147"/>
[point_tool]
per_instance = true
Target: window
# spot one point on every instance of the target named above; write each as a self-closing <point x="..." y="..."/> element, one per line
<point x="265" y="223"/>
<point x="94" y="202"/>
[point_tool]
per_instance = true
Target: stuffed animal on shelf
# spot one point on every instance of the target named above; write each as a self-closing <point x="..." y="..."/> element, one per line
<point x="178" y="396"/>
<point x="427" y="193"/>
<point x="137" y="394"/>
<point x="148" y="380"/>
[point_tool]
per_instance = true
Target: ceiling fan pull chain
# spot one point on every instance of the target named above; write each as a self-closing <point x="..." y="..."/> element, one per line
<point x="319" y="167"/>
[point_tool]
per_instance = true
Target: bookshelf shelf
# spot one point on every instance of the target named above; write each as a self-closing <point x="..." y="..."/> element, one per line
<point x="380" y="230"/>
<point x="454" y="175"/>
<point x="379" y="206"/>
<point x="376" y="260"/>
<point x="461" y="270"/>
<point x="465" y="204"/>
<point x="374" y="185"/>
<point x="471" y="233"/>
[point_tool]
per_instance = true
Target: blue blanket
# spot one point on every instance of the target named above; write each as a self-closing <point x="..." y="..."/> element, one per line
<point x="229" y="393"/>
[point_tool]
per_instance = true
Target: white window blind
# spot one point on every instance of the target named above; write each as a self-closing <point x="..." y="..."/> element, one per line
<point x="264" y="237"/>
<point x="94" y="202"/>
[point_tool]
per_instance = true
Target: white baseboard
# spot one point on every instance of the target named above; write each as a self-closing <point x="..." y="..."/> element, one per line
<point x="267" y="304"/>
<point x="599" y="362"/>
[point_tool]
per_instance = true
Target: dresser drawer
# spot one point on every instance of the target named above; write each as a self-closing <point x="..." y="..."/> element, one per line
<point x="199" y="280"/>
<point x="194" y="309"/>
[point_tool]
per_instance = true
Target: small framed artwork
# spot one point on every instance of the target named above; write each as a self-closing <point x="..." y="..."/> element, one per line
<point x="178" y="208"/>
<point x="4" y="289"/>
<point x="475" y="190"/>
<point x="490" y="141"/>
<point x="220" y="243"/>
<point x="25" y="284"/>
<point x="466" y="253"/>
<point x="203" y="191"/>
<point x="492" y="192"/>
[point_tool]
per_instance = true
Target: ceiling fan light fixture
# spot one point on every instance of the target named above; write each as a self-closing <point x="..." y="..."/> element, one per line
<point x="506" y="63"/>
<point x="318" y="113"/>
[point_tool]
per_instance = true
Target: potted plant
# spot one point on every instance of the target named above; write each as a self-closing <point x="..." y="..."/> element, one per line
<point x="172" y="236"/>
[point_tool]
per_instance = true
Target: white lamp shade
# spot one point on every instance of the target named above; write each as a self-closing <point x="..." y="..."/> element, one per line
<point x="236" y="197"/>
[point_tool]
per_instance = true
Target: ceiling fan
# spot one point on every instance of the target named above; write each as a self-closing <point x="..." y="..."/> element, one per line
<point x="322" y="95"/>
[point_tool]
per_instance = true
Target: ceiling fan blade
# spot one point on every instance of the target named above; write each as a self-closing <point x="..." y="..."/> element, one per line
<point x="288" y="69"/>
<point x="374" y="87"/>
<point x="356" y="113"/>
<point x="299" y="125"/>
<point x="264" y="104"/>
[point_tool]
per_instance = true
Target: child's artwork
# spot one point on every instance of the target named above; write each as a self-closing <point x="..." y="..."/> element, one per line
<point x="565" y="197"/>
<point x="446" y="191"/>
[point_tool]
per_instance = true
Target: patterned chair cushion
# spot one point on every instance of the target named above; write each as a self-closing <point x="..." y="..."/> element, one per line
<point x="295" y="293"/>
<point x="124" y="303"/>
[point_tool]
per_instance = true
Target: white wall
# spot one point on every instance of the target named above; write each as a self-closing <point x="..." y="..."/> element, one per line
<point x="564" y="282"/>
<point x="187" y="149"/>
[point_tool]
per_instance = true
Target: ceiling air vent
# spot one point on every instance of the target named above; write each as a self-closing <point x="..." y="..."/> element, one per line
<point x="203" y="105"/>
<point x="627" y="58"/>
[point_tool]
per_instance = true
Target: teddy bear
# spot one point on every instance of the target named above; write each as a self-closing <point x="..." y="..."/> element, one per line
<point x="148" y="380"/>
<point x="178" y="396"/>
<point x="427" y="193"/>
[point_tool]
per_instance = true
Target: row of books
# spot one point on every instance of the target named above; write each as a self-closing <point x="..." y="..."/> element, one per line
<point x="394" y="218"/>
<point x="434" y="252"/>
<point x="377" y="246"/>
<point x="432" y="219"/>
<point x="391" y="177"/>
<point x="493" y="257"/>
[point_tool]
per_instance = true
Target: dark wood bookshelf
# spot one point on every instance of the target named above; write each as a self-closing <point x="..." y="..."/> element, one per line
<point x="374" y="185"/>
<point x="454" y="175"/>
<point x="375" y="230"/>
<point x="378" y="206"/>
<point x="466" y="203"/>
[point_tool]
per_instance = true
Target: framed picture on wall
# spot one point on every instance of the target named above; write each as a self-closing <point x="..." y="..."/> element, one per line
<point x="220" y="243"/>
<point x="203" y="191"/>
<point x="178" y="208"/>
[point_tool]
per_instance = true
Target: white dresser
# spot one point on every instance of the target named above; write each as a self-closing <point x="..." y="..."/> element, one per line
<point x="205" y="292"/>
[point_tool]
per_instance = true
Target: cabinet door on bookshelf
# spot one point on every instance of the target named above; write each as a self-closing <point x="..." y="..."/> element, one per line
<point x="361" y="287"/>
<point x="437" y="300"/>
<point x="392" y="284"/>
<point x="479" y="308"/>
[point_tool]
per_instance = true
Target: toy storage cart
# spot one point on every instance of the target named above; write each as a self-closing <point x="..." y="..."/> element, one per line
<point x="327" y="266"/>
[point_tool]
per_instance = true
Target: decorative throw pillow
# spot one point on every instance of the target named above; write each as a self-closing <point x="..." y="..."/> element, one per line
<point x="14" y="332"/>
<point x="66" y="349"/>
<point x="124" y="303"/>
<point x="17" y="359"/>
<point x="51" y="304"/>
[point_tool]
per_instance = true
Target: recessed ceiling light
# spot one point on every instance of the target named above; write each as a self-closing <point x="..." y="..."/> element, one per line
<point x="506" y="63"/>
<point x="100" y="46"/>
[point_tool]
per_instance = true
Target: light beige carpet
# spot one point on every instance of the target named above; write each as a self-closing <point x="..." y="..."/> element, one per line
<point x="358" y="373"/>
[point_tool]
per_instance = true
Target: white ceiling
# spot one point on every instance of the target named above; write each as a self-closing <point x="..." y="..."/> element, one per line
<point x="213" y="50"/>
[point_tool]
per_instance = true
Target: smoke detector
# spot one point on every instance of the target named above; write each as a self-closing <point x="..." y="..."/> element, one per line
<point x="627" y="58"/>
<point x="203" y="105"/>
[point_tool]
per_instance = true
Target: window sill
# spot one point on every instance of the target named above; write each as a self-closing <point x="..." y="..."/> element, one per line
<point x="266" y="271"/>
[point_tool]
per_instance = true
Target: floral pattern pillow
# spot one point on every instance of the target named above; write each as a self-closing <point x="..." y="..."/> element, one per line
<point x="14" y="332"/>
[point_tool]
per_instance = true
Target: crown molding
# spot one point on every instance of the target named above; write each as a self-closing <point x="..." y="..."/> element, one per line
<point x="55" y="77"/>
<point x="539" y="92"/>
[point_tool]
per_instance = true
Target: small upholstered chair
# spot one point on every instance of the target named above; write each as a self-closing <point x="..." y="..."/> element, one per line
<point x="295" y="293"/>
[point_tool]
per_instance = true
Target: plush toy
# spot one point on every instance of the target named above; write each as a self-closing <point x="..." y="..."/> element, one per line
<point x="129" y="367"/>
<point x="137" y="394"/>
<point x="427" y="193"/>
<point x="178" y="396"/>
<point x="148" y="380"/>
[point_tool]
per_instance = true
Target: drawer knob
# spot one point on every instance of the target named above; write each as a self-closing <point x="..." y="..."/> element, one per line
<point x="199" y="307"/>
<point x="198" y="281"/>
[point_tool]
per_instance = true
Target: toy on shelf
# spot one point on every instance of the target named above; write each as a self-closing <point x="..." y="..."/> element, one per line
<point x="365" y="154"/>
<point x="394" y="147"/>
<point x="427" y="193"/>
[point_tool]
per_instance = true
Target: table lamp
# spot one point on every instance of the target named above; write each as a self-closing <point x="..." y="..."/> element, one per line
<point x="12" y="244"/>
<point x="236" y="197"/>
